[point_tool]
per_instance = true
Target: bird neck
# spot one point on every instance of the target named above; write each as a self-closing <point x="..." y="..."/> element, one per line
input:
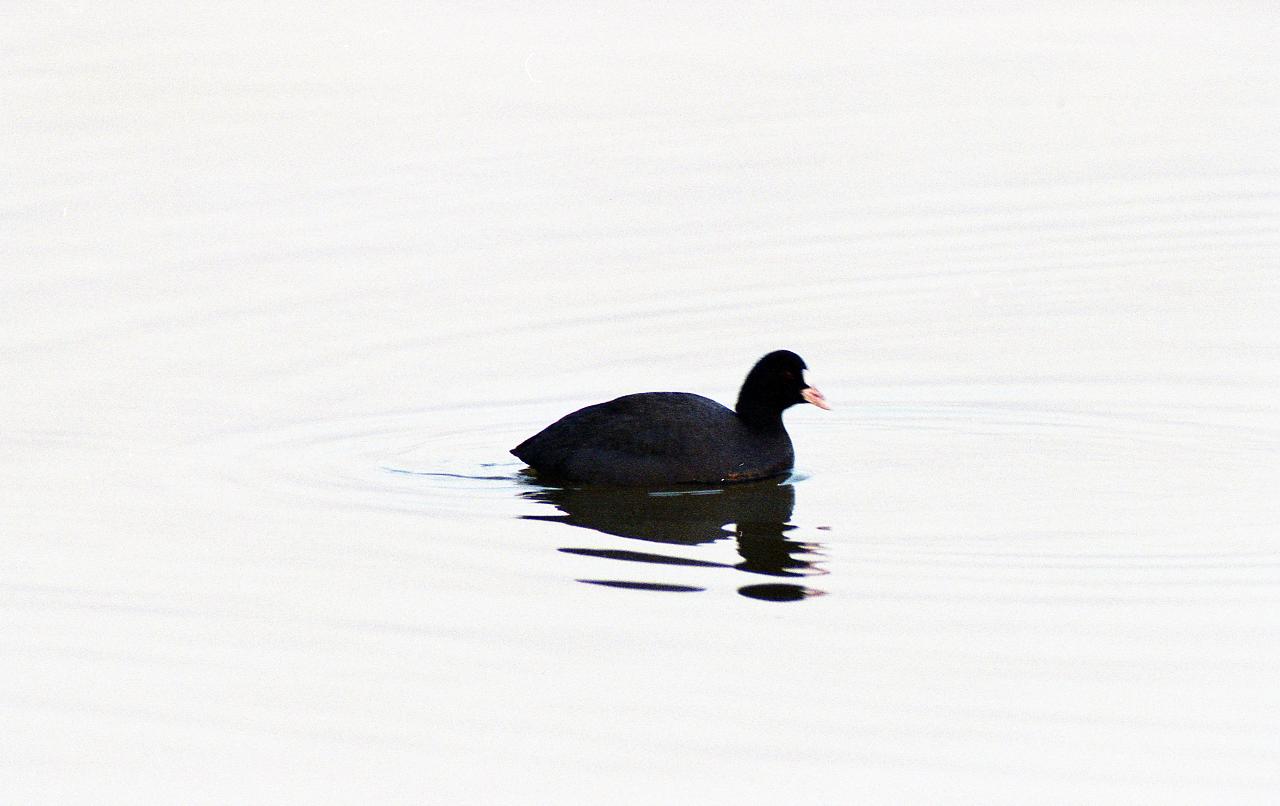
<point x="759" y="417"/>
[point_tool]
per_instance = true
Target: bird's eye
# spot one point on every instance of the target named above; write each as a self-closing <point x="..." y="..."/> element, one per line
<point x="789" y="375"/>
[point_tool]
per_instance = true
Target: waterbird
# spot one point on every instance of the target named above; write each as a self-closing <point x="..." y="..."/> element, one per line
<point x="661" y="438"/>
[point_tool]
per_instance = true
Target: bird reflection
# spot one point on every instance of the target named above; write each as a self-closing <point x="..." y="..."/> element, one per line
<point x="757" y="514"/>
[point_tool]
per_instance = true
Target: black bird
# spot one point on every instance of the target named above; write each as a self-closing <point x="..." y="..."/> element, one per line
<point x="657" y="438"/>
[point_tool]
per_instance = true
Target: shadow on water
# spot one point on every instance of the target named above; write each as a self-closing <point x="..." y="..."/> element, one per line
<point x="756" y="514"/>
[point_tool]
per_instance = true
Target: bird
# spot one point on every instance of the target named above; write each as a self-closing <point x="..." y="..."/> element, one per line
<point x="664" y="438"/>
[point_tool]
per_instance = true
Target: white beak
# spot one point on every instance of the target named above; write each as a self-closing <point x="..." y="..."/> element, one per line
<point x="812" y="395"/>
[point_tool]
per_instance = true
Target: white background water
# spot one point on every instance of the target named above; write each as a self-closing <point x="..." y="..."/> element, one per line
<point x="281" y="284"/>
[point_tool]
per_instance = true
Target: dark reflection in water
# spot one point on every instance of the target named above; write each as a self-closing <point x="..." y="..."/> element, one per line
<point x="643" y="586"/>
<point x="757" y="514"/>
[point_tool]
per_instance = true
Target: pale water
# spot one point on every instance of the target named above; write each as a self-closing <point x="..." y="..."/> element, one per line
<point x="282" y="284"/>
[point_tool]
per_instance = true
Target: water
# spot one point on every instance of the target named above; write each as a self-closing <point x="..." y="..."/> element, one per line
<point x="282" y="286"/>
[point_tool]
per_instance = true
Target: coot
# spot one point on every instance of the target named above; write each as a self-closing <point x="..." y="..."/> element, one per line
<point x="656" y="438"/>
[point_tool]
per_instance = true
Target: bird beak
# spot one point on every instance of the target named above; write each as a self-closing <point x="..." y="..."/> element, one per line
<point x="815" y="397"/>
<point x="812" y="395"/>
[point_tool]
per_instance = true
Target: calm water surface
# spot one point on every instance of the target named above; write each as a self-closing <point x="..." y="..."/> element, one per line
<point x="282" y="287"/>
